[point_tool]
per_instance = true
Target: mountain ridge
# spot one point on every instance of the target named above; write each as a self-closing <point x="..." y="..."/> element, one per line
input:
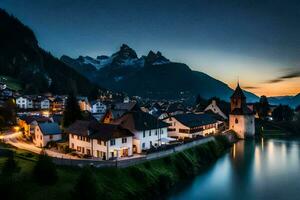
<point x="151" y="76"/>
<point x="39" y="72"/>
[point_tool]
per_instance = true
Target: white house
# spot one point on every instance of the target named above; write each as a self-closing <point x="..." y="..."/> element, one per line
<point x="98" y="107"/>
<point x="191" y="125"/>
<point x="241" y="118"/>
<point x="46" y="132"/>
<point x="21" y="102"/>
<point x="148" y="131"/>
<point x="215" y="109"/>
<point x="103" y="141"/>
<point x="45" y="103"/>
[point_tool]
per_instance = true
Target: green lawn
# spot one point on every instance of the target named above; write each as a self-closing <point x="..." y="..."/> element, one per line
<point x="11" y="82"/>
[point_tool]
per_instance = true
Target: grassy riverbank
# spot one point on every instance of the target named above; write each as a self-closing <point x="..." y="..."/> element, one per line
<point x="143" y="181"/>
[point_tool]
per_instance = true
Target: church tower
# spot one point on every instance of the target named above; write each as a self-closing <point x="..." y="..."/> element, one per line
<point x="241" y="118"/>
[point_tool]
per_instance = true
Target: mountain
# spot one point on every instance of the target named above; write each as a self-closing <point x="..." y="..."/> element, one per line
<point x="292" y="101"/>
<point x="34" y="68"/>
<point x="152" y="76"/>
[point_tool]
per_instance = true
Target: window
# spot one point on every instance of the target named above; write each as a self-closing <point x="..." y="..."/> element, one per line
<point x="51" y="137"/>
<point x="72" y="136"/>
<point x="112" y="142"/>
<point x="88" y="152"/>
<point x="156" y="132"/>
<point x="72" y="145"/>
<point x="236" y="121"/>
<point x="150" y="133"/>
<point x="124" y="140"/>
<point x="78" y="148"/>
<point x="88" y="139"/>
<point x="144" y="134"/>
<point x="99" y="142"/>
<point x="143" y="145"/>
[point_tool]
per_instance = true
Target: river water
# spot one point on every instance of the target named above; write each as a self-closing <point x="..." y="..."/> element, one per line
<point x="263" y="169"/>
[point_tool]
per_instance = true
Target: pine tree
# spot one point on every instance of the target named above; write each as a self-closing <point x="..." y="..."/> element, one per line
<point x="72" y="111"/>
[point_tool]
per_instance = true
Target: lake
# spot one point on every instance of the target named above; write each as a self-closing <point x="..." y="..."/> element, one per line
<point x="261" y="169"/>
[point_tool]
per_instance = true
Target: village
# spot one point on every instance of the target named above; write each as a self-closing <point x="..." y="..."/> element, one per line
<point x="122" y="129"/>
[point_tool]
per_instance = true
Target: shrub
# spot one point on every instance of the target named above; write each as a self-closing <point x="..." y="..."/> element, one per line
<point x="45" y="171"/>
<point x="164" y="182"/>
<point x="85" y="187"/>
<point x="10" y="166"/>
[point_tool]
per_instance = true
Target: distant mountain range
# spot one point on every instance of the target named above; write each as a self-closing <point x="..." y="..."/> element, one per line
<point x="152" y="76"/>
<point x="292" y="101"/>
<point x="36" y="70"/>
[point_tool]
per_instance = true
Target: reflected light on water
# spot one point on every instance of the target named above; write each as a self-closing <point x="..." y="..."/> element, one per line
<point x="233" y="150"/>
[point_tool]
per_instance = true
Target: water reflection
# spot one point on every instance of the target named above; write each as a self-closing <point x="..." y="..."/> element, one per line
<point x="262" y="169"/>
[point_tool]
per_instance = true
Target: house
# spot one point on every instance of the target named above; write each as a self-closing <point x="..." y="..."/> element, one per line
<point x="148" y="130"/>
<point x="28" y="123"/>
<point x="191" y="125"/>
<point x="45" y="103"/>
<point x="57" y="104"/>
<point x="46" y="132"/>
<point x="22" y="102"/>
<point x="118" y="110"/>
<point x="176" y="108"/>
<point x="41" y="103"/>
<point x="213" y="107"/>
<point x="98" y="107"/>
<point x="84" y="104"/>
<point x="104" y="141"/>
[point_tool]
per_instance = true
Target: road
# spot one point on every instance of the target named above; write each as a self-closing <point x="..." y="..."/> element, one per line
<point x="15" y="139"/>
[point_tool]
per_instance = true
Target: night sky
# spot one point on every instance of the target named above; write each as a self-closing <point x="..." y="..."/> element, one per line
<point x="257" y="41"/>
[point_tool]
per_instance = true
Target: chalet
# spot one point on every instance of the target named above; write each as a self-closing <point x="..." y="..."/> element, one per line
<point x="22" y="102"/>
<point x="148" y="130"/>
<point x="213" y="107"/>
<point x="28" y="123"/>
<point x="57" y="104"/>
<point x="191" y="125"/>
<point x="176" y="108"/>
<point x="45" y="133"/>
<point x="104" y="141"/>
<point x="84" y="104"/>
<point x="117" y="110"/>
<point x="41" y="102"/>
<point x="98" y="107"/>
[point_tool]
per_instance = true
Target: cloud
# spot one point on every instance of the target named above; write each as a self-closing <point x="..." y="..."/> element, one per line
<point x="290" y="73"/>
<point x="250" y="87"/>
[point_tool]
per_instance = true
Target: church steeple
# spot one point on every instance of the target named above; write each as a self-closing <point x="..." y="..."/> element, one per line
<point x="238" y="98"/>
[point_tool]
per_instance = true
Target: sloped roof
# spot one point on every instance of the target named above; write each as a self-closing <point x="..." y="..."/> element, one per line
<point x="50" y="128"/>
<point x="30" y="119"/>
<point x="139" y="121"/>
<point x="95" y="130"/>
<point x="125" y="106"/>
<point x="238" y="93"/>
<point x="194" y="120"/>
